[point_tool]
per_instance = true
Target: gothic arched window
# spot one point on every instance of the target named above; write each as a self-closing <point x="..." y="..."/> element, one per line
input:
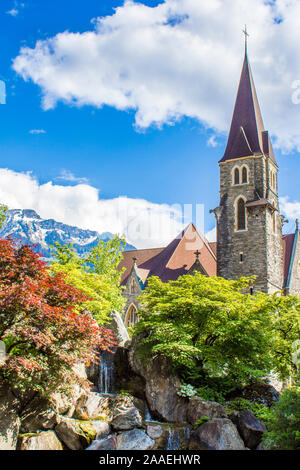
<point x="131" y="316"/>
<point x="236" y="176"/>
<point x="241" y="214"/>
<point x="244" y="175"/>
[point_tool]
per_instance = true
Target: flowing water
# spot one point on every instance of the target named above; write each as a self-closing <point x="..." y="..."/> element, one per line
<point x="106" y="373"/>
<point x="174" y="440"/>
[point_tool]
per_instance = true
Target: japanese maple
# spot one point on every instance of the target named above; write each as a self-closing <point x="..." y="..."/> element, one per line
<point x="41" y="323"/>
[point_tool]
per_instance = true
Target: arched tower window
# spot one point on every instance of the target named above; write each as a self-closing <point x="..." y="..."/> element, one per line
<point x="236" y="176"/>
<point x="241" y="214"/>
<point x="131" y="316"/>
<point x="244" y="175"/>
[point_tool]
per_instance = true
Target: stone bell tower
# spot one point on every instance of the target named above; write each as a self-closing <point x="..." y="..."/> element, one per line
<point x="249" y="226"/>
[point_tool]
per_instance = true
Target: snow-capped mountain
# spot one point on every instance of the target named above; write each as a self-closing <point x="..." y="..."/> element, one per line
<point x="28" y="227"/>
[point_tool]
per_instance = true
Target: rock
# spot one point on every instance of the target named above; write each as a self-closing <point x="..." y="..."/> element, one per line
<point x="76" y="434"/>
<point x="46" y="440"/>
<point x="9" y="420"/>
<point x="110" y="443"/>
<point x="135" y="439"/>
<point x="128" y="419"/>
<point x="262" y="393"/>
<point x="39" y="414"/>
<point x="116" y="324"/>
<point x="125" y="378"/>
<point x="217" y="434"/>
<point x="197" y="408"/>
<point x="161" y="386"/>
<point x="154" y="431"/>
<point x="90" y="406"/>
<point x="249" y="427"/>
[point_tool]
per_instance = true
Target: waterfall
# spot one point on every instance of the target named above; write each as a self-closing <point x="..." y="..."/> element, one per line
<point x="106" y="373"/>
<point x="174" y="440"/>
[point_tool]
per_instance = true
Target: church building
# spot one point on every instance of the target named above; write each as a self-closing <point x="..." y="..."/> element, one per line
<point x="249" y="223"/>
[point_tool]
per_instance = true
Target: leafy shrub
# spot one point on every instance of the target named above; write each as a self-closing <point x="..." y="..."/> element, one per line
<point x="187" y="391"/>
<point x="209" y="394"/>
<point x="199" y="422"/>
<point x="284" y="425"/>
<point x="262" y="412"/>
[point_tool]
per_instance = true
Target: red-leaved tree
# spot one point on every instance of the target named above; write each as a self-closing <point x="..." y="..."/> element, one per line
<point x="44" y="331"/>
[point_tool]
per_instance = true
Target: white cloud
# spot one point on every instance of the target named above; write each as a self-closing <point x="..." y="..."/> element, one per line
<point x="291" y="209"/>
<point x="67" y="175"/>
<point x="212" y="142"/>
<point x="37" y="131"/>
<point x="13" y="12"/>
<point x="180" y="58"/>
<point x="144" y="223"/>
<point x="212" y="235"/>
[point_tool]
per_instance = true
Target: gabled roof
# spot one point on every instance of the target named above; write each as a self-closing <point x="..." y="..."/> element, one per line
<point x="290" y="243"/>
<point x="174" y="260"/>
<point x="247" y="135"/>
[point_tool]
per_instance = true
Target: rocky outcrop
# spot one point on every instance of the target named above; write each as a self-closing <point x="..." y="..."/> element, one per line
<point x="9" y="420"/>
<point x="128" y="419"/>
<point x="91" y="406"/>
<point x="109" y="443"/>
<point x="155" y="431"/>
<point x="125" y="378"/>
<point x="76" y="434"/>
<point x="161" y="386"/>
<point x="46" y="440"/>
<point x="197" y="408"/>
<point x="38" y="415"/>
<point x="134" y="440"/>
<point x="217" y="434"/>
<point x="249" y="427"/>
<point x="261" y="393"/>
<point x="117" y="326"/>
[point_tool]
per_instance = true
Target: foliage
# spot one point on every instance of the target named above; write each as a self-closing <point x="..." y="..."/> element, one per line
<point x="187" y="390"/>
<point x="262" y="412"/>
<point x="284" y="425"/>
<point x="3" y="213"/>
<point x="199" y="422"/>
<point x="210" y="394"/>
<point x="44" y="333"/>
<point x="214" y="334"/>
<point x="96" y="275"/>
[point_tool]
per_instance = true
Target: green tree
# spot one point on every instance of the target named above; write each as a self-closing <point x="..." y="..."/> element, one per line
<point x="284" y="424"/>
<point x="3" y="214"/>
<point x="215" y="334"/>
<point x="95" y="274"/>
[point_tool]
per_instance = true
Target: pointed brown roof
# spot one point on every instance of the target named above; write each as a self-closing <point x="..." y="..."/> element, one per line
<point x="174" y="260"/>
<point x="247" y="134"/>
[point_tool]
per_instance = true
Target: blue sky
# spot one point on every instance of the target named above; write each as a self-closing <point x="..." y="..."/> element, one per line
<point x="163" y="160"/>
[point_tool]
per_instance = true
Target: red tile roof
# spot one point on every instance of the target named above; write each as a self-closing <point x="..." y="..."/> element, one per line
<point x="174" y="260"/>
<point x="247" y="134"/>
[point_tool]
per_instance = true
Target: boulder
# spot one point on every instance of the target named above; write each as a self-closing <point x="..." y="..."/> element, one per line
<point x="249" y="427"/>
<point x="155" y="431"/>
<point x="46" y="440"/>
<point x="39" y="414"/>
<point x="217" y="434"/>
<point x="109" y="443"/>
<point x="161" y="386"/>
<point x="262" y="393"/>
<point x="197" y="408"/>
<point x="136" y="439"/>
<point x="9" y="420"/>
<point x="116" y="324"/>
<point x="91" y="406"/>
<point x="76" y="434"/>
<point x="127" y="419"/>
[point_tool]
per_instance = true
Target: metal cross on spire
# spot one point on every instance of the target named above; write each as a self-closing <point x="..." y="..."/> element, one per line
<point x="245" y="31"/>
<point x="197" y="253"/>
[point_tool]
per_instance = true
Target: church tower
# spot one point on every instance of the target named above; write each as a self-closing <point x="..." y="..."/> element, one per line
<point x="249" y="225"/>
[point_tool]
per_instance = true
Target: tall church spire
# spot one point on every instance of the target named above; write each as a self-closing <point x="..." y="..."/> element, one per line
<point x="247" y="134"/>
